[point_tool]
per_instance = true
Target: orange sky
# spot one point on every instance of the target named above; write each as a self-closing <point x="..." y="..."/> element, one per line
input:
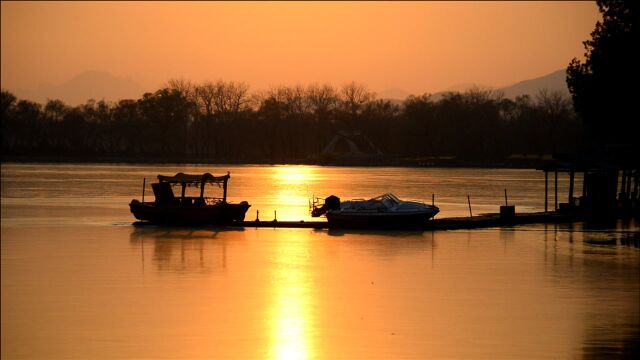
<point x="415" y="46"/>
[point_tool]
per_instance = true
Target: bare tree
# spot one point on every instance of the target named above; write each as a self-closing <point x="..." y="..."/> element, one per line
<point x="322" y="100"/>
<point x="479" y="95"/>
<point x="204" y="96"/>
<point x="55" y="110"/>
<point x="237" y="95"/>
<point x="354" y="96"/>
<point x="183" y="86"/>
<point x="553" y="102"/>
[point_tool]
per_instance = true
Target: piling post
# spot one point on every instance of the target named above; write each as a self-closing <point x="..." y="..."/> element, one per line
<point x="555" y="189"/>
<point x="546" y="190"/>
<point x="506" y="202"/>
<point x="433" y="199"/>
<point x="144" y="183"/>
<point x="469" y="201"/>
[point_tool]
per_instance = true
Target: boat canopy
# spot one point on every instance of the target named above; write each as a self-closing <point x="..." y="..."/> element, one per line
<point x="181" y="178"/>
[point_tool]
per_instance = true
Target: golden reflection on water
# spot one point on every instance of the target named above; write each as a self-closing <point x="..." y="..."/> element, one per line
<point x="291" y="314"/>
<point x="293" y="174"/>
<point x="291" y="192"/>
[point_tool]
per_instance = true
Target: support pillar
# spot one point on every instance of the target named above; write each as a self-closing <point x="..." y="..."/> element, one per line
<point x="555" y="189"/>
<point x="571" y="178"/>
<point x="546" y="190"/>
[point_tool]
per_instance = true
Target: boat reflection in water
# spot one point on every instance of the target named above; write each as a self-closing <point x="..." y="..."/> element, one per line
<point x="185" y="250"/>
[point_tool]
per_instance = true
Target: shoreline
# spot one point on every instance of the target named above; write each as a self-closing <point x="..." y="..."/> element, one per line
<point x="411" y="163"/>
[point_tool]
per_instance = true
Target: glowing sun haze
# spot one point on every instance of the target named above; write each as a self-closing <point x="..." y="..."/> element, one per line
<point x="415" y="46"/>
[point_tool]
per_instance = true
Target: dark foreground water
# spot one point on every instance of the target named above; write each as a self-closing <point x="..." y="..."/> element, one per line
<point x="78" y="281"/>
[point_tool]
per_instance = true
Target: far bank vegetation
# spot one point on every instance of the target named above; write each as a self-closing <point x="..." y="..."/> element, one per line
<point x="224" y="122"/>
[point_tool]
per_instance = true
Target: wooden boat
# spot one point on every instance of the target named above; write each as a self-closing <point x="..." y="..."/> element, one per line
<point x="168" y="209"/>
<point x="384" y="211"/>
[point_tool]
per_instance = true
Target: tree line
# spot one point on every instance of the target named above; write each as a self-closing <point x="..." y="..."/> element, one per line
<point x="224" y="122"/>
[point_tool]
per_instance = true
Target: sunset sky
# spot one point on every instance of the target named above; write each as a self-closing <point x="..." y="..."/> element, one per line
<point x="414" y="46"/>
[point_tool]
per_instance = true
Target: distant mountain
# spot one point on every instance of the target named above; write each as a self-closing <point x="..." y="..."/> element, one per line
<point x="555" y="81"/>
<point x="95" y="85"/>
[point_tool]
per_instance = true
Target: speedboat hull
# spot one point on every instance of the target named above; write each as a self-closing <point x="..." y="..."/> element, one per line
<point x="383" y="220"/>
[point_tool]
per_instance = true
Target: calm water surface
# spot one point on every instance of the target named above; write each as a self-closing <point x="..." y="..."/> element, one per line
<point x="78" y="281"/>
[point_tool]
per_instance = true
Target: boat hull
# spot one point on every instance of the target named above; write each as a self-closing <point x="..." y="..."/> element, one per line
<point x="218" y="214"/>
<point x="383" y="220"/>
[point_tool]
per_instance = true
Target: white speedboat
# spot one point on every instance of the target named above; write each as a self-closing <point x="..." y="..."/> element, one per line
<point x="384" y="211"/>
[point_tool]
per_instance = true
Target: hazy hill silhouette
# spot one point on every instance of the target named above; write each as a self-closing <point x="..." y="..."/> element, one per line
<point x="555" y="81"/>
<point x="95" y="85"/>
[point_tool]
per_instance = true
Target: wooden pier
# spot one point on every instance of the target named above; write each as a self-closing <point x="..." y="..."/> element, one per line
<point x="456" y="223"/>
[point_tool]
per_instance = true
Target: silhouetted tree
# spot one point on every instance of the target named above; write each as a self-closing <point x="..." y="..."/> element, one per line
<point x="601" y="87"/>
<point x="354" y="96"/>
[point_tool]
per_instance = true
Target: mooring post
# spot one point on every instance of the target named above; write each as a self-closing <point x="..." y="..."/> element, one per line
<point x="275" y="216"/>
<point x="144" y="183"/>
<point x="469" y="201"/>
<point x="506" y="202"/>
<point x="546" y="190"/>
<point x="555" y="189"/>
<point x="433" y="199"/>
<point x="257" y="215"/>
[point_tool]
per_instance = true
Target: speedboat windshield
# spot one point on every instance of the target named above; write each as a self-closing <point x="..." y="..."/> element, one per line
<point x="389" y="200"/>
<point x="388" y="197"/>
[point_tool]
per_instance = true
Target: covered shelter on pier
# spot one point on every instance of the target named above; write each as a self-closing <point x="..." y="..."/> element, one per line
<point x="609" y="184"/>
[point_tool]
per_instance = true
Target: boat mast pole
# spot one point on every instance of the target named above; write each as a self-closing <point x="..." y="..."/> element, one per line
<point x="202" y="187"/>
<point x="224" y="190"/>
<point x="144" y="183"/>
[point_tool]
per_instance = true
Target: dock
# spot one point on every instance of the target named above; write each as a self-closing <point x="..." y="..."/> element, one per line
<point x="455" y="223"/>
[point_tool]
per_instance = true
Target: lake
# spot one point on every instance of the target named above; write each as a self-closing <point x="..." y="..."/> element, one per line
<point x="79" y="281"/>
